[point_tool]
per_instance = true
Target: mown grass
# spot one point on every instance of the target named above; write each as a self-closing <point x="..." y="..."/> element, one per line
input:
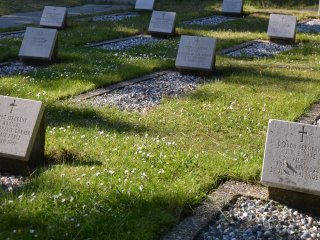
<point x="127" y="175"/>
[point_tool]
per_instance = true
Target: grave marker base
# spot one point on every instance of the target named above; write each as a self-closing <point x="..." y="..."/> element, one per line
<point x="302" y="201"/>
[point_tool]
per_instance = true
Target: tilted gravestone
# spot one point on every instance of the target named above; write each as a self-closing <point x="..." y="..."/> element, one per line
<point x="144" y="5"/>
<point x="22" y="134"/>
<point x="162" y="23"/>
<point x="196" y="53"/>
<point x="54" y="17"/>
<point x="232" y="6"/>
<point x="291" y="166"/>
<point x="39" y="44"/>
<point x="282" y="27"/>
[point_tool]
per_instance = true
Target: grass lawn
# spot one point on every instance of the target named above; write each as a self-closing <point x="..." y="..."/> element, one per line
<point x="125" y="175"/>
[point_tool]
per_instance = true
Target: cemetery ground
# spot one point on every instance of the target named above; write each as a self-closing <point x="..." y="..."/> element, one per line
<point x="115" y="174"/>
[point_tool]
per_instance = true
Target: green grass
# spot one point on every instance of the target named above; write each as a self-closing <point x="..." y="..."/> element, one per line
<point x="126" y="175"/>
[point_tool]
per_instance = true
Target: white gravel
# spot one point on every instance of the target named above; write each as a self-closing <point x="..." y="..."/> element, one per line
<point x="212" y="20"/>
<point x="253" y="219"/>
<point x="11" y="182"/>
<point x="312" y="26"/>
<point x="130" y="43"/>
<point x="11" y="35"/>
<point x="14" y="68"/>
<point x="115" y="17"/>
<point x="147" y="94"/>
<point x="260" y="49"/>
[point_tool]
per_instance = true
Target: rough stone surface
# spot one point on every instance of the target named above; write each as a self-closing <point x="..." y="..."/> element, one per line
<point x="115" y="17"/>
<point x="149" y="93"/>
<point x="260" y="49"/>
<point x="196" y="53"/>
<point x="39" y="43"/>
<point x="310" y="26"/>
<point x="162" y="22"/>
<point x="282" y="27"/>
<point x="232" y="6"/>
<point x="292" y="155"/>
<point x="55" y="17"/>
<point x="128" y="43"/>
<point x="145" y="5"/>
<point x="212" y="20"/>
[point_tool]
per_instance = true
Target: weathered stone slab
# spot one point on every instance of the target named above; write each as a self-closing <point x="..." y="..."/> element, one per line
<point x="22" y="133"/>
<point x="144" y="5"/>
<point x="54" y="17"/>
<point x="232" y="6"/>
<point x="282" y="27"/>
<point x="162" y="23"/>
<point x="292" y="157"/>
<point x="196" y="53"/>
<point x="39" y="44"/>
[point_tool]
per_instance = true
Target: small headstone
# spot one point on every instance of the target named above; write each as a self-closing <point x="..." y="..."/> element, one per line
<point x="162" y="23"/>
<point x="22" y="134"/>
<point x="196" y="53"/>
<point x="39" y="44"/>
<point x="282" y="27"/>
<point x="144" y="5"/>
<point x="54" y="17"/>
<point x="232" y="6"/>
<point x="292" y="157"/>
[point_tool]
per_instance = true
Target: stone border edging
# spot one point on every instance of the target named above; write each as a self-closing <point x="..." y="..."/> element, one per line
<point x="203" y="215"/>
<point x="240" y="46"/>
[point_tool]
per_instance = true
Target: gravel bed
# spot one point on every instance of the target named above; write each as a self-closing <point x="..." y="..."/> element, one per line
<point x="250" y="219"/>
<point x="312" y="26"/>
<point x="130" y="43"/>
<point x="11" y="182"/>
<point x="213" y="20"/>
<point x="11" y="35"/>
<point x="260" y="49"/>
<point x="115" y="17"/>
<point x="14" y="68"/>
<point x="147" y="94"/>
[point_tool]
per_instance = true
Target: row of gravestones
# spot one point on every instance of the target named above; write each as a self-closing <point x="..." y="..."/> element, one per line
<point x="292" y="152"/>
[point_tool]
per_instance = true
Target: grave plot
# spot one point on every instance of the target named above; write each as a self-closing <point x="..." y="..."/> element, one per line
<point x="144" y="93"/>
<point x="115" y="17"/>
<point x="259" y="219"/>
<point x="15" y="34"/>
<point x="256" y="49"/>
<point x="127" y="43"/>
<point x="212" y="20"/>
<point x="7" y="69"/>
<point x="309" y="26"/>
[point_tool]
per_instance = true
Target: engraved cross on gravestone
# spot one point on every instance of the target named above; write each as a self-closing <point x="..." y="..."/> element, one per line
<point x="12" y="105"/>
<point x="302" y="133"/>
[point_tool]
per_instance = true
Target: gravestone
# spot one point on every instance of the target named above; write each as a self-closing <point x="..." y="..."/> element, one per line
<point x="282" y="27"/>
<point x="54" y="17"/>
<point x="196" y="53"/>
<point x="39" y="44"/>
<point x="22" y="134"/>
<point x="232" y="6"/>
<point x="144" y="5"/>
<point x="291" y="166"/>
<point x="162" y="23"/>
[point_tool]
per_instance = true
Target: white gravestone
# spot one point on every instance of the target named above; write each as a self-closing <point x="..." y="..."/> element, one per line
<point x="145" y="5"/>
<point x="232" y="6"/>
<point x="162" y="22"/>
<point x="39" y="44"/>
<point x="22" y="133"/>
<point x="292" y="157"/>
<point x="282" y="27"/>
<point x="196" y="53"/>
<point x="54" y="17"/>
